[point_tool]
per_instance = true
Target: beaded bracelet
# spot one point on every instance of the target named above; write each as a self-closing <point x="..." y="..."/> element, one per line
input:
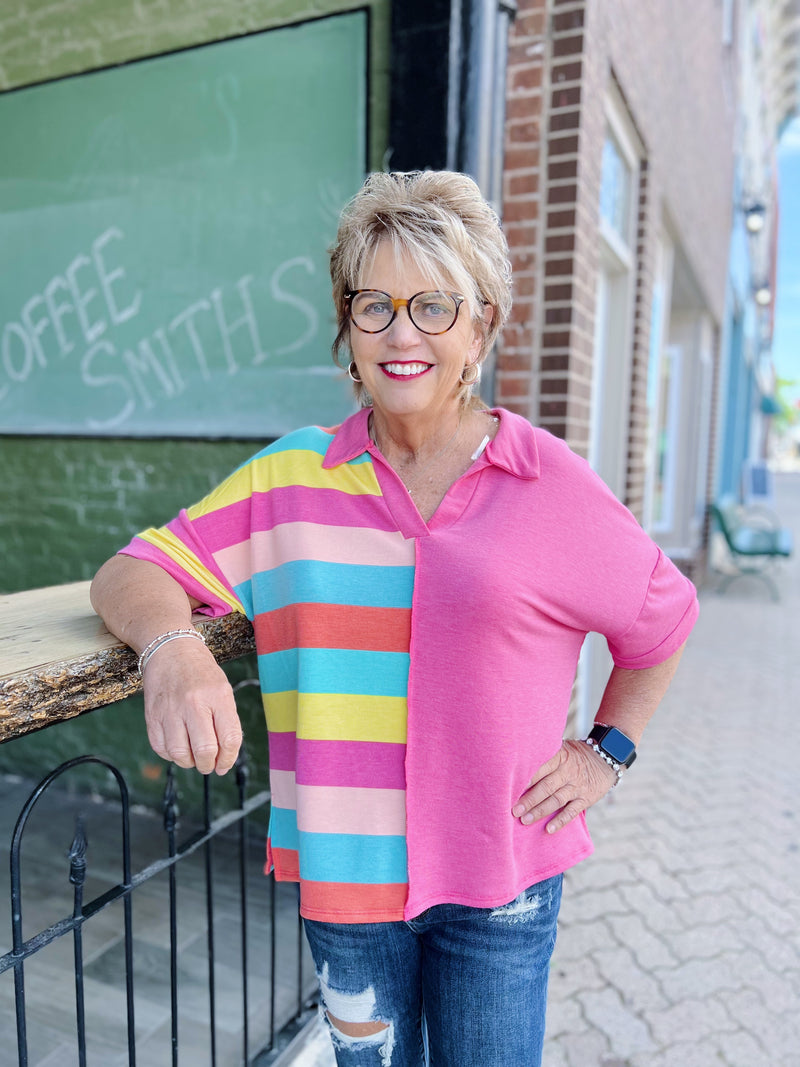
<point x="618" y="769"/>
<point x="163" y="639"/>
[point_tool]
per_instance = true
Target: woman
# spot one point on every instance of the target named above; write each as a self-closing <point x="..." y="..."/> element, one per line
<point x="421" y="580"/>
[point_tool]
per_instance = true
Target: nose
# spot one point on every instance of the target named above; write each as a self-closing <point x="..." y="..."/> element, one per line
<point x="402" y="332"/>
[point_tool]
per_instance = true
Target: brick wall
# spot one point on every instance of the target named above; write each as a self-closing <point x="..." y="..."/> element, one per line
<point x="671" y="69"/>
<point x="519" y="349"/>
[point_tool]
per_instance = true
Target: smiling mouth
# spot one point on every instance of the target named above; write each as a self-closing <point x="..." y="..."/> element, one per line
<point x="405" y="370"/>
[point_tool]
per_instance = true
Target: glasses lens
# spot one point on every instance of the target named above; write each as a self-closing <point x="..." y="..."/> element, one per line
<point x="371" y="310"/>
<point x="433" y="312"/>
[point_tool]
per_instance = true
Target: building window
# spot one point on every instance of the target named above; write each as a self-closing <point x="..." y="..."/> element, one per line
<point x="616" y="191"/>
<point x="618" y="206"/>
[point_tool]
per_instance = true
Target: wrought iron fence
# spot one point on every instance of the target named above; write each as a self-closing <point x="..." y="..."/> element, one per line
<point x="259" y="957"/>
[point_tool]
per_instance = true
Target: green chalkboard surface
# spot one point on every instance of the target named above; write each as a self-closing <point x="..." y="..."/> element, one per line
<point x="163" y="236"/>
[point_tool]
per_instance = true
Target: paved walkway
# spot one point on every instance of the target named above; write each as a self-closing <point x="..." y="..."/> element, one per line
<point x="679" y="942"/>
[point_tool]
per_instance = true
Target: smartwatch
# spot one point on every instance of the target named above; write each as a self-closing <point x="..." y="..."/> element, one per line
<point x="613" y="745"/>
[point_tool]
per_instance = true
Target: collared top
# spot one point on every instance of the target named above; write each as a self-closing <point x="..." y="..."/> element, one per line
<point x="415" y="675"/>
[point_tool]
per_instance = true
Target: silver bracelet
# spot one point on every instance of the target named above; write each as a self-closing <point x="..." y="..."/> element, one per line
<point x="616" y="767"/>
<point x="163" y="639"/>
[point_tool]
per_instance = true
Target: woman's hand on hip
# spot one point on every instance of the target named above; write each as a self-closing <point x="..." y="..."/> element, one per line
<point x="569" y="783"/>
<point x="189" y="708"/>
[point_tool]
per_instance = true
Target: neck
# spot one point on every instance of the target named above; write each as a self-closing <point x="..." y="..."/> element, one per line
<point x="414" y="440"/>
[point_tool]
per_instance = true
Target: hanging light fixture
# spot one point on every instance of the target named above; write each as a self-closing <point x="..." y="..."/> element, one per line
<point x="755" y="215"/>
<point x="763" y="294"/>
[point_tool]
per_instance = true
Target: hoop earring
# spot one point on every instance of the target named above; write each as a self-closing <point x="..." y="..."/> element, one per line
<point x="470" y="374"/>
<point x="352" y="372"/>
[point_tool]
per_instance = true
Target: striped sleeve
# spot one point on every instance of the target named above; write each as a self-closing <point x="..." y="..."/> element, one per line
<point x="206" y="548"/>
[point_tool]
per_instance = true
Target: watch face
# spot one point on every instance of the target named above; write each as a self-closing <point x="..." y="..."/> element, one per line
<point x="619" y="747"/>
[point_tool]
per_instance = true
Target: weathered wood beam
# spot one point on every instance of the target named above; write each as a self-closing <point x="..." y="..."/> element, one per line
<point x="57" y="659"/>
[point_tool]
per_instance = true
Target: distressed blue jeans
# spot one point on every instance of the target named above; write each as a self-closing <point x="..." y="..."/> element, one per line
<point x="455" y="987"/>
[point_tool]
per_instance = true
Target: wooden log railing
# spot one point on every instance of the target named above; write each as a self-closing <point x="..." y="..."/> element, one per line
<point x="57" y="659"/>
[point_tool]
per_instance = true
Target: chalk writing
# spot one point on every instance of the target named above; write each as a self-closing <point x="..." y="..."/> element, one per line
<point x="75" y="315"/>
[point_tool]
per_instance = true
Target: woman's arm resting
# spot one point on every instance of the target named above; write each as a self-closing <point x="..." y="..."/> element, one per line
<point x="189" y="707"/>
<point x="577" y="777"/>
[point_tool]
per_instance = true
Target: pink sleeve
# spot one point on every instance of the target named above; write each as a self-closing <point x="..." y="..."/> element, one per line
<point x="665" y="620"/>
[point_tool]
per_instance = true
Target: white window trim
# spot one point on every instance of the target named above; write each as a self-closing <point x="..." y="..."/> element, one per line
<point x="673" y="353"/>
<point x="659" y="327"/>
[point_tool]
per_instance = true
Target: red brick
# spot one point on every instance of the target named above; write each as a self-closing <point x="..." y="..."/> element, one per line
<point x="514" y="406"/>
<point x="523" y="132"/>
<point x="516" y="386"/>
<point x="521" y="158"/>
<point x="562" y="194"/>
<point x="567" y="20"/>
<point x="557" y="427"/>
<point x="562" y="168"/>
<point x="553" y="409"/>
<point x="554" y="363"/>
<point x="522" y="259"/>
<point x="517" y="335"/>
<point x="521" y="184"/>
<point x="523" y="106"/>
<point x="559" y="266"/>
<point x="529" y="23"/>
<point x="523" y="52"/>
<point x="518" y="210"/>
<point x="558" y="386"/>
<point x="560" y="242"/>
<point x="525" y="78"/>
<point x="520" y="234"/>
<point x="566" y="97"/>
<point x="568" y="46"/>
<point x="566" y="72"/>
<point x="558" y="292"/>
<point x="556" y="339"/>
<point x="558" y="316"/>
<point x="521" y="311"/>
<point x="559" y="220"/>
<point x="524" y="285"/>
<point x="564" y="120"/>
<point x="508" y="361"/>
<point x="563" y="146"/>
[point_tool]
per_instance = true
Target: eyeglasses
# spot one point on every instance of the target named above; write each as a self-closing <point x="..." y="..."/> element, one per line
<point x="373" y="311"/>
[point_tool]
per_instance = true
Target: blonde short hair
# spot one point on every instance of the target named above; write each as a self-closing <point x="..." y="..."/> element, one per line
<point x="442" y="223"/>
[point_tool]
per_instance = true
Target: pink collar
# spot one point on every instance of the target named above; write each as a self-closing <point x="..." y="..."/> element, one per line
<point x="513" y="449"/>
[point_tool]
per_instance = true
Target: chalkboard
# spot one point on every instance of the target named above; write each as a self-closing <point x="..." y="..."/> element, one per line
<point x="163" y="237"/>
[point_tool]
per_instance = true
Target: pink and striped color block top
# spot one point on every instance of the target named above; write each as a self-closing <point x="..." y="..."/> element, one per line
<point x="414" y="675"/>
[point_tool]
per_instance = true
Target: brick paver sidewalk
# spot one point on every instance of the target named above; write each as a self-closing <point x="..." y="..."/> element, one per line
<point x="679" y="940"/>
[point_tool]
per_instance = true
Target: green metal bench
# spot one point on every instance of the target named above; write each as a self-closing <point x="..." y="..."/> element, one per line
<point x="754" y="538"/>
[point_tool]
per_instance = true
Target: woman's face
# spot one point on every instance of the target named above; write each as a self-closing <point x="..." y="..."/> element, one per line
<point x="405" y="371"/>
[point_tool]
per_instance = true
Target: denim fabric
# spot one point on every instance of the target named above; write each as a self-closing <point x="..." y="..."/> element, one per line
<point x="456" y="987"/>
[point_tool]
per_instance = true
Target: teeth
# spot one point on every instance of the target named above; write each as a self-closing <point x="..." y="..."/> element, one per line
<point x="405" y="368"/>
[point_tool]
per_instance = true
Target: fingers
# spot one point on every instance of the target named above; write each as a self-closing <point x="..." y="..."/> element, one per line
<point x="206" y="738"/>
<point x="564" y="786"/>
<point x="229" y="738"/>
<point x="190" y="710"/>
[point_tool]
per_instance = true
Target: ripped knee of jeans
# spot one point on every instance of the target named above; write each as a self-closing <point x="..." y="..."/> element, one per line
<point x="353" y="1020"/>
<point x="523" y="908"/>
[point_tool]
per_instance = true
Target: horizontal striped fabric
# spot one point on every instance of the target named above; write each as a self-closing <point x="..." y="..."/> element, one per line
<point x="309" y="557"/>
